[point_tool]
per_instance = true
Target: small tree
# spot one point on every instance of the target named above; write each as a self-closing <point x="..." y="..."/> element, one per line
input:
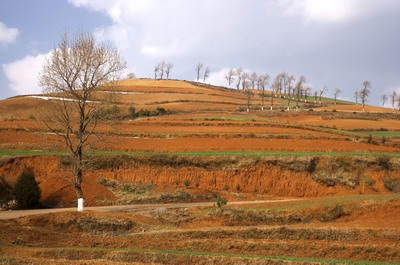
<point x="131" y="75"/>
<point x="206" y="74"/>
<point x="26" y="190"/>
<point x="364" y="93"/>
<point x="356" y="96"/>
<point x="337" y="93"/>
<point x="198" y="69"/>
<point x="321" y="92"/>
<point x="393" y="97"/>
<point x="384" y="98"/>
<point x="156" y="70"/>
<point x="229" y="76"/>
<point x="168" y="68"/>
<point x="238" y="73"/>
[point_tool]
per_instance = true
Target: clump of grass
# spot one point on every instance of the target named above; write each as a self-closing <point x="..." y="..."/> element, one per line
<point x="341" y="177"/>
<point x="392" y="184"/>
<point x="187" y="183"/>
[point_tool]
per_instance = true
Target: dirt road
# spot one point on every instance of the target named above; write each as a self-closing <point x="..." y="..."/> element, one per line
<point x="123" y="208"/>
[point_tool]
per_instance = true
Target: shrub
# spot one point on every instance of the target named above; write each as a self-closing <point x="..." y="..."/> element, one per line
<point x="226" y="188"/>
<point x="383" y="162"/>
<point x="383" y="140"/>
<point x="334" y="110"/>
<point x="221" y="201"/>
<point x="26" y="190"/>
<point x="132" y="111"/>
<point x="238" y="187"/>
<point x="369" y="139"/>
<point x="392" y="184"/>
<point x="187" y="182"/>
<point x="196" y="184"/>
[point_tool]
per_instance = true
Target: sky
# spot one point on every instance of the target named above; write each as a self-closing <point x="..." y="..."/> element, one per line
<point x="333" y="43"/>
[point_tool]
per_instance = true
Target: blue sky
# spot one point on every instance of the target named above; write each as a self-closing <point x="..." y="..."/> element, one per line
<point x="334" y="43"/>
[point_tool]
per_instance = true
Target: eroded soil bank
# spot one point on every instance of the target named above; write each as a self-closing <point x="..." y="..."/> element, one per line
<point x="304" y="176"/>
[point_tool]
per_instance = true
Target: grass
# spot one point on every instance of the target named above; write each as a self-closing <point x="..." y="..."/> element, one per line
<point x="229" y="255"/>
<point x="233" y="118"/>
<point x="16" y="152"/>
<point x="322" y="202"/>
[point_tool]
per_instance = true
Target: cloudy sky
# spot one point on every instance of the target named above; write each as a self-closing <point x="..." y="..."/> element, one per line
<point x="334" y="43"/>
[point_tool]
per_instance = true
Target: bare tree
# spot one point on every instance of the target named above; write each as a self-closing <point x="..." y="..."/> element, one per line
<point x="306" y="91"/>
<point x="238" y="73"/>
<point x="321" y="92"/>
<point x="156" y="70"/>
<point x="244" y="77"/>
<point x="229" y="76"/>
<point x="206" y="74"/>
<point x="253" y="79"/>
<point x="263" y="80"/>
<point x="75" y="71"/>
<point x="384" y="98"/>
<point x="168" y="68"/>
<point x="364" y="93"/>
<point x="289" y="88"/>
<point x="162" y="69"/>
<point x="315" y="97"/>
<point x="299" y="87"/>
<point x="198" y="70"/>
<point x="393" y="97"/>
<point x="337" y="93"/>
<point x="356" y="93"/>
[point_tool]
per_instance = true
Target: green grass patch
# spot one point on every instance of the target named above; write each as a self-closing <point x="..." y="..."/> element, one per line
<point x="322" y="202"/>
<point x="233" y="118"/>
<point x="382" y="133"/>
<point x="228" y="255"/>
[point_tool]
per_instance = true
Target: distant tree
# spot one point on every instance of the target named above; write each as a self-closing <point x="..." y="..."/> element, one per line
<point x="398" y="102"/>
<point x="364" y="93"/>
<point x="244" y="77"/>
<point x="162" y="69"/>
<point x="238" y="73"/>
<point x="356" y="93"/>
<point x="168" y="68"/>
<point x="306" y="91"/>
<point x="253" y="79"/>
<point x="299" y="87"/>
<point x="393" y="97"/>
<point x="289" y="88"/>
<point x="75" y="71"/>
<point x="315" y="96"/>
<point x="337" y="93"/>
<point x="198" y="70"/>
<point x="26" y="190"/>
<point x="206" y="74"/>
<point x="156" y="70"/>
<point x="131" y="75"/>
<point x="263" y="81"/>
<point x="321" y="92"/>
<point x="384" y="98"/>
<point x="229" y="76"/>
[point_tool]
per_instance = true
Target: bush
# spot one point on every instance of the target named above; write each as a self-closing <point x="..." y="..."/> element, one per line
<point x="226" y="188"/>
<point x="187" y="183"/>
<point x="26" y="190"/>
<point x="392" y="184"/>
<point x="237" y="187"/>
<point x="221" y="201"/>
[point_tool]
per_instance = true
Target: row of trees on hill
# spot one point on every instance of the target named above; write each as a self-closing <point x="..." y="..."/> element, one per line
<point x="393" y="98"/>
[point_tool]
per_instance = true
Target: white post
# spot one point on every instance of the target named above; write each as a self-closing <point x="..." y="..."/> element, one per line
<point x="80" y="204"/>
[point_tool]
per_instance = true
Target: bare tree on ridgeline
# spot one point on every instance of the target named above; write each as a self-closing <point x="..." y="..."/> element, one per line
<point x="262" y="82"/>
<point x="384" y="98"/>
<point x="76" y="70"/>
<point x="198" y="70"/>
<point x="206" y="74"/>
<point x="356" y="93"/>
<point x="336" y="94"/>
<point x="364" y="93"/>
<point x="230" y="76"/>
<point x="298" y="88"/>
<point x="253" y="79"/>
<point x="321" y="92"/>
<point x="168" y="69"/>
<point x="393" y="97"/>
<point x="238" y="73"/>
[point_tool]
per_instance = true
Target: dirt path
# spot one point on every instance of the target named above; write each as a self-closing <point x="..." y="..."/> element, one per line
<point x="124" y="208"/>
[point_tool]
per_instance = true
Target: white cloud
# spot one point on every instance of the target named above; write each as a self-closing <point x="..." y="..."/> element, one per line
<point x="7" y="35"/>
<point x="23" y="74"/>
